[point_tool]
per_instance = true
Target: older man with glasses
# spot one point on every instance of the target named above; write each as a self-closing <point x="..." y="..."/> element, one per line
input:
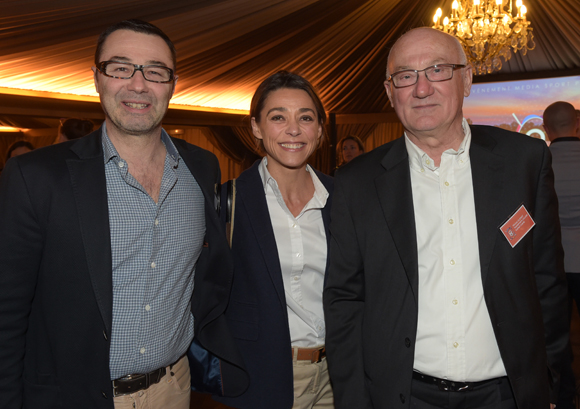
<point x="446" y="286"/>
<point x="101" y="239"/>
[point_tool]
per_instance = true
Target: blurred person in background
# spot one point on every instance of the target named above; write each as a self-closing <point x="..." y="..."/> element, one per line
<point x="561" y="125"/>
<point x="73" y="128"/>
<point x="18" y="148"/>
<point x="348" y="148"/>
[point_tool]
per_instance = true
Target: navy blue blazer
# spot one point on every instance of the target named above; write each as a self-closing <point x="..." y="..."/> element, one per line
<point x="257" y="313"/>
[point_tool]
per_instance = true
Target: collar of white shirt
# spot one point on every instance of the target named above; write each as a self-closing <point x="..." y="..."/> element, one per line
<point x="319" y="199"/>
<point x="420" y="161"/>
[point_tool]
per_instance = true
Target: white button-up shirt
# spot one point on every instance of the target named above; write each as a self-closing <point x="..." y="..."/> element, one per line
<point x="301" y="243"/>
<point x="455" y="338"/>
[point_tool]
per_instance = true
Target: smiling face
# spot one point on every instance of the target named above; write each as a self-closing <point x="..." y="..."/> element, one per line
<point x="134" y="106"/>
<point x="289" y="129"/>
<point x="428" y="109"/>
<point x="350" y="150"/>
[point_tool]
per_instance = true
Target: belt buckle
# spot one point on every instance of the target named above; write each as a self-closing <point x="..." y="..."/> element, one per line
<point x="318" y="353"/>
<point x="130" y="377"/>
<point x="448" y="386"/>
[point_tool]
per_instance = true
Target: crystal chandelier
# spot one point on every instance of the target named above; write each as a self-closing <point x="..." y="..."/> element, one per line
<point x="487" y="30"/>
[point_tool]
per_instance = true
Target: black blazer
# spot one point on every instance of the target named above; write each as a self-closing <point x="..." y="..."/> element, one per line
<point x="372" y="287"/>
<point x="257" y="313"/>
<point x="56" y="280"/>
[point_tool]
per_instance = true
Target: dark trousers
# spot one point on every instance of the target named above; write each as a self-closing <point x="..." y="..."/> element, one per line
<point x="496" y="394"/>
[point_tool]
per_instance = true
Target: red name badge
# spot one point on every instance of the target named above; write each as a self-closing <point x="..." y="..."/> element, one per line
<point x="517" y="226"/>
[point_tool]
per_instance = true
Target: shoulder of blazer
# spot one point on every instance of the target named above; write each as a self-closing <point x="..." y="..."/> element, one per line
<point x="327" y="181"/>
<point x="502" y="142"/>
<point x="251" y="173"/>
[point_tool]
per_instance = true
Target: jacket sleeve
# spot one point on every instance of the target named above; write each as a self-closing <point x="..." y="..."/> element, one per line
<point x="549" y="272"/>
<point x="344" y="303"/>
<point x="21" y="245"/>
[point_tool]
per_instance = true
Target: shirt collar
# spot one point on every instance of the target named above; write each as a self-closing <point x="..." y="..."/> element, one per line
<point x="419" y="160"/>
<point x="320" y="193"/>
<point x="110" y="152"/>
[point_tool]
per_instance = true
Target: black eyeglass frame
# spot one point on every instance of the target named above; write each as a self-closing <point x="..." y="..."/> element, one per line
<point x="136" y="67"/>
<point x="453" y="66"/>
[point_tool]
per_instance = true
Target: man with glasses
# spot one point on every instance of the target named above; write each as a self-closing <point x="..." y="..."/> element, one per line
<point x="445" y="286"/>
<point x="101" y="240"/>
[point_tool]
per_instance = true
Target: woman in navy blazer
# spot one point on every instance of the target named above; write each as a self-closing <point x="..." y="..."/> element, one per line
<point x="280" y="242"/>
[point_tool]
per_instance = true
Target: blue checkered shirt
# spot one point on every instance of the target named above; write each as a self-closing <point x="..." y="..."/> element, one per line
<point x="155" y="247"/>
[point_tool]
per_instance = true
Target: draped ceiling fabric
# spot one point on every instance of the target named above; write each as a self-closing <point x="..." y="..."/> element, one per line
<point x="225" y="48"/>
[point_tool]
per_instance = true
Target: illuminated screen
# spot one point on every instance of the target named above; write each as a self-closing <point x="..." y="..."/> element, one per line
<point x="519" y="105"/>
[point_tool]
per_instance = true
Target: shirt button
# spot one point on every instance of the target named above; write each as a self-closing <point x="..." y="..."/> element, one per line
<point x="446" y="183"/>
<point x="296" y="278"/>
<point x="455" y="345"/>
<point x="452" y="262"/>
<point x="422" y="170"/>
<point x="121" y="164"/>
<point x="156" y="222"/>
<point x="298" y="255"/>
<point x="428" y="162"/>
<point x="450" y="221"/>
<point x="142" y="350"/>
<point x="147" y="307"/>
<point x="455" y="302"/>
<point x="153" y="265"/>
<point x="294" y="225"/>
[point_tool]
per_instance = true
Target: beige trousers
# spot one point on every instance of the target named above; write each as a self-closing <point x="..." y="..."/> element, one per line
<point x="312" y="385"/>
<point x="172" y="391"/>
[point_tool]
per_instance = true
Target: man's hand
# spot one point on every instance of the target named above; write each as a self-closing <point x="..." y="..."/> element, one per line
<point x="552" y="406"/>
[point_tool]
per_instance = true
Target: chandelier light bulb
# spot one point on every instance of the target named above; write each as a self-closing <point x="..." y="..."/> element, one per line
<point x="455" y="5"/>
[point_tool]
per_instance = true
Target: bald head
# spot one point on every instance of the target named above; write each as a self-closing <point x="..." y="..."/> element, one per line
<point x="411" y="37"/>
<point x="560" y="120"/>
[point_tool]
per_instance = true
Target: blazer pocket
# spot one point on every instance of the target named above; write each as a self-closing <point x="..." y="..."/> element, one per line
<point x="41" y="396"/>
<point x="243" y="320"/>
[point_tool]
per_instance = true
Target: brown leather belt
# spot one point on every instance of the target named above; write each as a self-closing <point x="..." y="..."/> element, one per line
<point x="309" y="354"/>
<point x="137" y="382"/>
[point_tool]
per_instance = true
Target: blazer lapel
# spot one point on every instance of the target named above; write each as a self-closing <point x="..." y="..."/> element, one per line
<point x="328" y="184"/>
<point x="197" y="167"/>
<point x="396" y="199"/>
<point x="88" y="181"/>
<point x="250" y="192"/>
<point x="487" y="171"/>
